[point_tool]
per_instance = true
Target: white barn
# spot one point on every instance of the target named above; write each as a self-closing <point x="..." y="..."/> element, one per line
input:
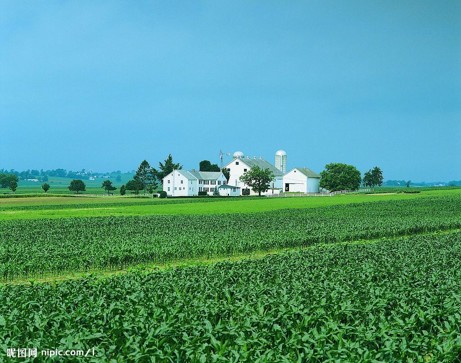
<point x="183" y="183"/>
<point x="301" y="180"/>
<point x="241" y="164"/>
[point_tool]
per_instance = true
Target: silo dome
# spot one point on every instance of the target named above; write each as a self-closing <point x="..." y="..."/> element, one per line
<point x="281" y="153"/>
<point x="238" y="155"/>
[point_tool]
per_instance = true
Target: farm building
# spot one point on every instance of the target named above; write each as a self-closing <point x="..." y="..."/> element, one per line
<point x="241" y="164"/>
<point x="228" y="191"/>
<point x="302" y="180"/>
<point x="183" y="183"/>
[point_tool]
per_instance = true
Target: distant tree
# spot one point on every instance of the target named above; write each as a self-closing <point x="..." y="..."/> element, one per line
<point x="45" y="178"/>
<point x="45" y="187"/>
<point x="118" y="178"/>
<point x="6" y="179"/>
<point x="134" y="186"/>
<point x="206" y="165"/>
<point x="408" y="183"/>
<point x="338" y="176"/>
<point x="13" y="185"/>
<point x="107" y="185"/>
<point x="77" y="186"/>
<point x="258" y="179"/>
<point x="226" y="174"/>
<point x="123" y="190"/>
<point x="373" y="177"/>
<point x="166" y="168"/>
<point x="146" y="176"/>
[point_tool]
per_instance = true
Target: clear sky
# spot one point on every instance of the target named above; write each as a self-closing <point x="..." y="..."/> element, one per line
<point x="102" y="85"/>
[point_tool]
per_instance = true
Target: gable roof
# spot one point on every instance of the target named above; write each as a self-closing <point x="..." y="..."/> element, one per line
<point x="186" y="174"/>
<point x="263" y="164"/>
<point x="308" y="172"/>
<point x="206" y="175"/>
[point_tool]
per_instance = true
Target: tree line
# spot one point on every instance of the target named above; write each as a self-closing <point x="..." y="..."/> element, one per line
<point x="335" y="177"/>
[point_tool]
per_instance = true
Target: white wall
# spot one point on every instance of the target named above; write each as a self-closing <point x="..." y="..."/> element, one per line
<point x="300" y="183"/>
<point x="238" y="168"/>
<point x="227" y="192"/>
<point x="177" y="185"/>
<point x="313" y="185"/>
<point x="297" y="181"/>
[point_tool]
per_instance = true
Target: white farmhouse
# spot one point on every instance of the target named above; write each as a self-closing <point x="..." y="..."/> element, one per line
<point x="183" y="183"/>
<point x="302" y="180"/>
<point x="241" y="164"/>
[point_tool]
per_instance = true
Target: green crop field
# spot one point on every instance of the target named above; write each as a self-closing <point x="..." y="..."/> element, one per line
<point x="346" y="278"/>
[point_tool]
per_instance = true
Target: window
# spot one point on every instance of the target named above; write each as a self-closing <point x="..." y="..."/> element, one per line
<point x="175" y="188"/>
<point x="207" y="182"/>
<point x="182" y="181"/>
<point x="168" y="188"/>
<point x="237" y="163"/>
<point x="169" y="181"/>
<point x="212" y="189"/>
<point x="245" y="170"/>
<point x="213" y="182"/>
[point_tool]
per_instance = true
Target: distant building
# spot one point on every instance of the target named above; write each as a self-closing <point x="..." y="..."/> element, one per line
<point x="183" y="183"/>
<point x="301" y="180"/>
<point x="241" y="164"/>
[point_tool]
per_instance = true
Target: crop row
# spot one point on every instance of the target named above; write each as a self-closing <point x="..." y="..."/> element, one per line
<point x="36" y="247"/>
<point x="394" y="300"/>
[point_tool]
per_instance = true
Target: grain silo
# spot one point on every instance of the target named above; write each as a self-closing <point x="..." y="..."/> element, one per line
<point x="281" y="161"/>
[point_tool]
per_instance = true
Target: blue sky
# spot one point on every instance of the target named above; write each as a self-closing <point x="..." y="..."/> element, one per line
<point x="102" y="85"/>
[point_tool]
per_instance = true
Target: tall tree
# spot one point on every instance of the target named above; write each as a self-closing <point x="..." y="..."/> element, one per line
<point x="134" y="186"/>
<point x="6" y="179"/>
<point x="107" y="185"/>
<point x="13" y="185"/>
<point x="166" y="168"/>
<point x="206" y="165"/>
<point x="258" y="179"/>
<point x="373" y="177"/>
<point x="45" y="187"/>
<point x="146" y="176"/>
<point x="77" y="186"/>
<point x="338" y="176"/>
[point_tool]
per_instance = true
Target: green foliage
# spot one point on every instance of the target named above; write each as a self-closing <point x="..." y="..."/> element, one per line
<point x="226" y="173"/>
<point x="77" y="186"/>
<point x="13" y="185"/>
<point x="123" y="190"/>
<point x="162" y="194"/>
<point x="166" y="168"/>
<point x="338" y="176"/>
<point x="258" y="179"/>
<point x="45" y="187"/>
<point x="34" y="247"/>
<point x="108" y="187"/>
<point x="206" y="165"/>
<point x="146" y="177"/>
<point x="373" y="177"/>
<point x="397" y="300"/>
<point x="134" y="186"/>
<point x="6" y="179"/>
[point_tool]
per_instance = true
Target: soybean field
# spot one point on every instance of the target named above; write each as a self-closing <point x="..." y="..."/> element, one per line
<point x="338" y="280"/>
